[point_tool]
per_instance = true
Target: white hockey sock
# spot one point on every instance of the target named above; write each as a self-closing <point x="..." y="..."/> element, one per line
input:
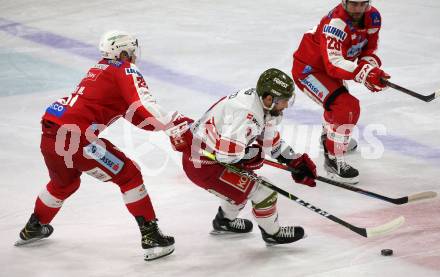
<point x="231" y="211"/>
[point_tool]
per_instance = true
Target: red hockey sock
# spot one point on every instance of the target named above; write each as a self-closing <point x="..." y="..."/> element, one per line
<point x="138" y="202"/>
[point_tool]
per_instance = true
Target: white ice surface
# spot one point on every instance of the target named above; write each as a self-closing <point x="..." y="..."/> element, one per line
<point x="213" y="48"/>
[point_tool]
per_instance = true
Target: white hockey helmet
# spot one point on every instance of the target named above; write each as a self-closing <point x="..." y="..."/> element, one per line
<point x="112" y="43"/>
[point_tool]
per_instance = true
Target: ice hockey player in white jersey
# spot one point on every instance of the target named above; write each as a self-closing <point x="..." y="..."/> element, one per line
<point x="241" y="129"/>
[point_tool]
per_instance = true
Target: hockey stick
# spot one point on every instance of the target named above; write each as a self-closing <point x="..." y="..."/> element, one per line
<point x="426" y="98"/>
<point x="397" y="201"/>
<point x="365" y="232"/>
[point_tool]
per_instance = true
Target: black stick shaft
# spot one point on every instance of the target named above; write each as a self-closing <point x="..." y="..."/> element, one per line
<point x="397" y="201"/>
<point x="426" y="98"/>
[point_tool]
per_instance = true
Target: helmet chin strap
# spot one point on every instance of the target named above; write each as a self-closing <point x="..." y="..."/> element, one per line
<point x="265" y="107"/>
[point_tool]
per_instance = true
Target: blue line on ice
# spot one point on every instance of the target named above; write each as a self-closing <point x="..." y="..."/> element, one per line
<point x="391" y="142"/>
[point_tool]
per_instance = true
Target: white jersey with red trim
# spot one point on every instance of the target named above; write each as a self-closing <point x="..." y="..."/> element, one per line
<point x="235" y="122"/>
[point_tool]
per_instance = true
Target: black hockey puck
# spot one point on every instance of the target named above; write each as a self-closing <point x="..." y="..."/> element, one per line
<point x="386" y="252"/>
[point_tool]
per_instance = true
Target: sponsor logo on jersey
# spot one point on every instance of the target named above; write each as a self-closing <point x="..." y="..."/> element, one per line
<point x="334" y="53"/>
<point x="56" y="109"/>
<point x="375" y="19"/>
<point x="98" y="174"/>
<point x="253" y="119"/>
<point x="235" y="180"/>
<point x="100" y="66"/>
<point x="91" y="75"/>
<point x="130" y="71"/>
<point x="114" y="63"/>
<point x="316" y="87"/>
<point x="356" y="49"/>
<point x="307" y="69"/>
<point x="104" y="157"/>
<point x="333" y="31"/>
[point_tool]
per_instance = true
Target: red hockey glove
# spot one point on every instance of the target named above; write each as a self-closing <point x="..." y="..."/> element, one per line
<point x="306" y="168"/>
<point x="253" y="159"/>
<point x="180" y="133"/>
<point x="374" y="79"/>
<point x="371" y="76"/>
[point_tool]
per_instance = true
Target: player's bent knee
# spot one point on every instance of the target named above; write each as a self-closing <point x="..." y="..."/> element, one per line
<point x="129" y="178"/>
<point x="63" y="191"/>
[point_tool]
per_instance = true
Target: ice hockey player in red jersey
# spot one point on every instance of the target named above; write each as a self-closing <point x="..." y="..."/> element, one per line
<point x="70" y="145"/>
<point x="342" y="47"/>
<point x="239" y="129"/>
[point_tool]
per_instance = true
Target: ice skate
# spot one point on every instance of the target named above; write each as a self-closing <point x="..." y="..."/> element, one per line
<point x="287" y="234"/>
<point x="223" y="225"/>
<point x="155" y="244"/>
<point x="34" y="231"/>
<point x="338" y="170"/>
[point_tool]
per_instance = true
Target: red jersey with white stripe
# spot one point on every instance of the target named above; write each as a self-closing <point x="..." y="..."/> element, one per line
<point x="235" y="122"/>
<point x="110" y="90"/>
<point x="335" y="44"/>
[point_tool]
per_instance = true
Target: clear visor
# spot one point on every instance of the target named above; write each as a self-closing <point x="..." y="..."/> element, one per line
<point x="289" y="101"/>
<point x="135" y="50"/>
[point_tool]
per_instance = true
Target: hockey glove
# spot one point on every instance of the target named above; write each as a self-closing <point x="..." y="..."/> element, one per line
<point x="253" y="159"/>
<point x="180" y="133"/>
<point x="374" y="79"/>
<point x="371" y="76"/>
<point x="306" y="170"/>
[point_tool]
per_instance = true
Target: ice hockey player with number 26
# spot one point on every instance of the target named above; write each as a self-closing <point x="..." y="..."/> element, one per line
<point x="342" y="47"/>
<point x="239" y="129"/>
<point x="70" y="145"/>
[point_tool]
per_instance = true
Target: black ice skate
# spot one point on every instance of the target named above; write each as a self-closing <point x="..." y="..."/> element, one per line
<point x="339" y="170"/>
<point x="287" y="234"/>
<point x="223" y="225"/>
<point x="34" y="231"/>
<point x="155" y="244"/>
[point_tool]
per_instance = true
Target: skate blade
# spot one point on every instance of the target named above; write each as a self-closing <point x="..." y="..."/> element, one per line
<point x="226" y="233"/>
<point x="270" y="244"/>
<point x="21" y="242"/>
<point x="347" y="181"/>
<point x="158" y="252"/>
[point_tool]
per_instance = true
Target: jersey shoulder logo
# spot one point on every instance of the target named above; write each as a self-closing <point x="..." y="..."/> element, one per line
<point x="56" y="109"/>
<point x="375" y="19"/>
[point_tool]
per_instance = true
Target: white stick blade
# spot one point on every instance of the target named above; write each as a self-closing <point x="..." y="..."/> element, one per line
<point x="422" y="195"/>
<point x="385" y="228"/>
<point x="437" y="93"/>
